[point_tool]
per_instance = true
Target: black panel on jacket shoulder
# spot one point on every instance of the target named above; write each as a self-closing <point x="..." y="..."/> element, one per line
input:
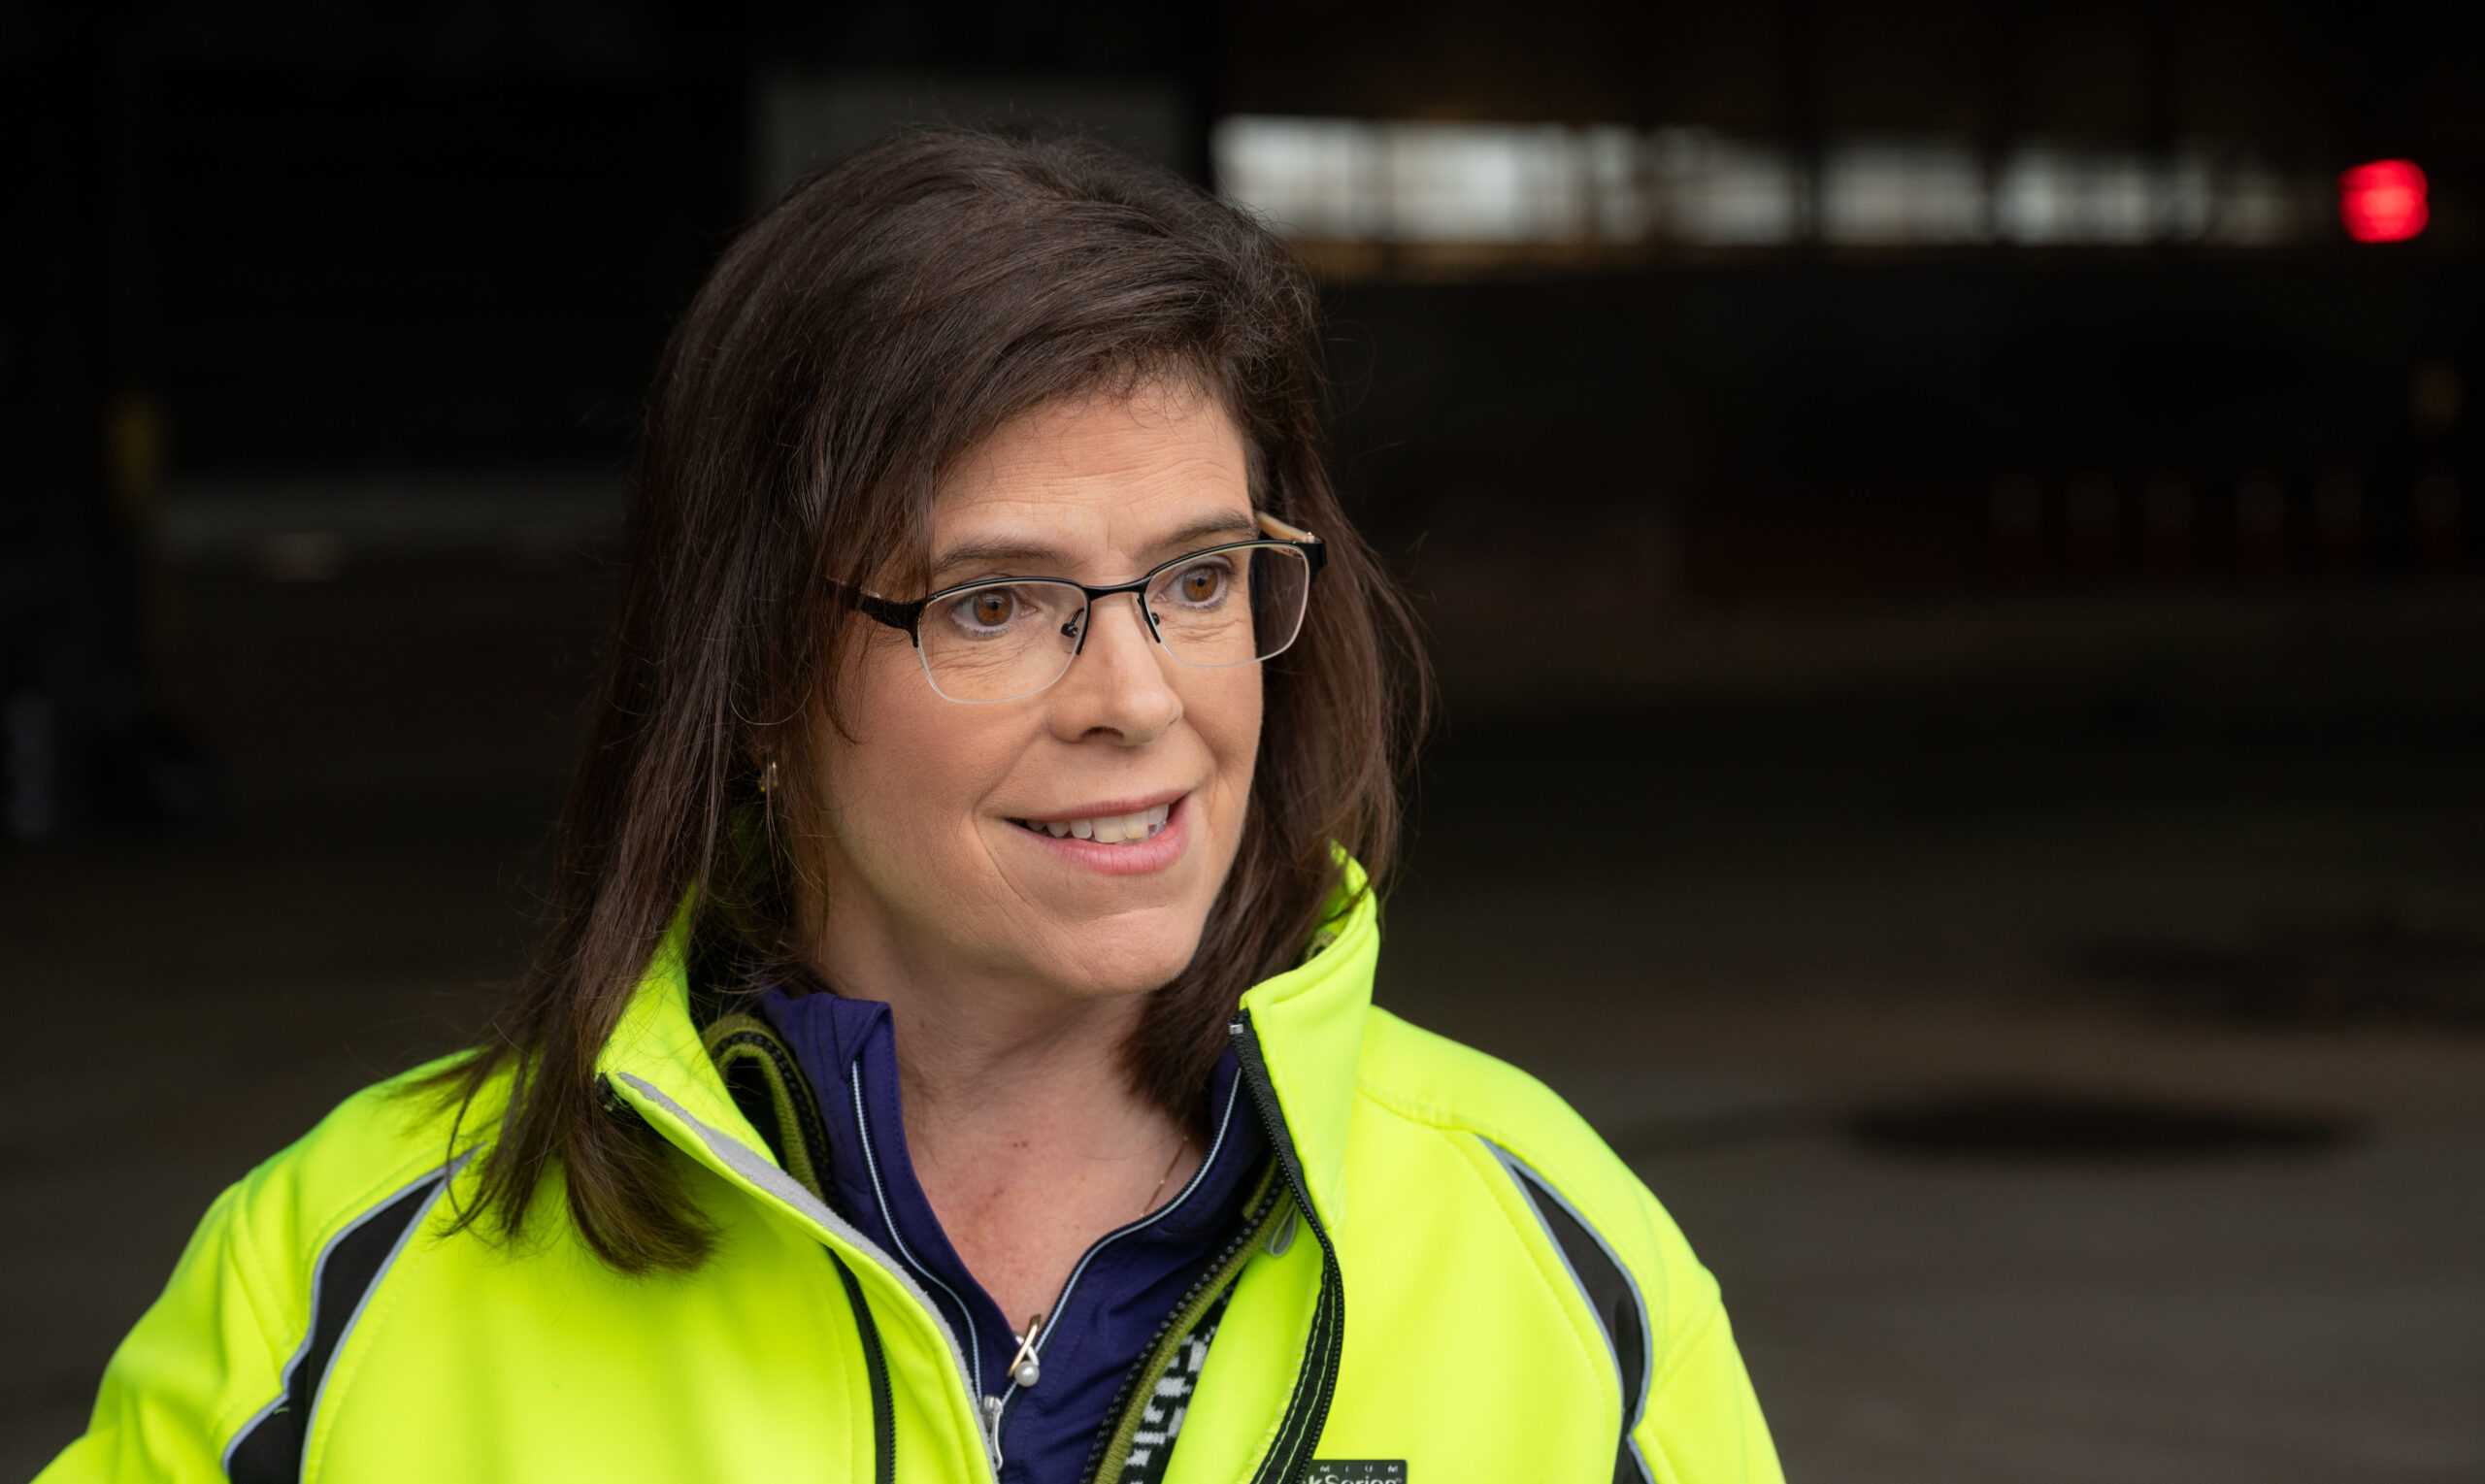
<point x="1610" y="1295"/>
<point x="269" y="1448"/>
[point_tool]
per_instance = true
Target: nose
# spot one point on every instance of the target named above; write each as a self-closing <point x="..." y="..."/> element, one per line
<point x="1118" y="683"/>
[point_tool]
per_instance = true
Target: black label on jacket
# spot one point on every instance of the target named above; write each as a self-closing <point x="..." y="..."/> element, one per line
<point x="1357" y="1470"/>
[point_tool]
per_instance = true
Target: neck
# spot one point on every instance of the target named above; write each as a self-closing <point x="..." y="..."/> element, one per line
<point x="1021" y="1123"/>
<point x="1013" y="1082"/>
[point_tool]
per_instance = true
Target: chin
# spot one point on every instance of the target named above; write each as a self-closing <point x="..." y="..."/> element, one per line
<point x="1136" y="962"/>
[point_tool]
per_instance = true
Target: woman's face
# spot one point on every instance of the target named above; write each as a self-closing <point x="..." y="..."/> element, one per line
<point x="940" y="859"/>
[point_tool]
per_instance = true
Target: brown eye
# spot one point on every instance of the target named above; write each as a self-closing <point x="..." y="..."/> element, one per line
<point x="992" y="608"/>
<point x="1201" y="584"/>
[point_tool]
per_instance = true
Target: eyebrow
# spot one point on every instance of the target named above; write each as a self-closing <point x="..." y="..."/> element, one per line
<point x="1007" y="552"/>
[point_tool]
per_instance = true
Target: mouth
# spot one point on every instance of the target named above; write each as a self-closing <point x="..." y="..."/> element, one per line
<point x="1137" y="827"/>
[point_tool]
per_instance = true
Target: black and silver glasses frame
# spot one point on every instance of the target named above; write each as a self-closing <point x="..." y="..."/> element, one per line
<point x="908" y="617"/>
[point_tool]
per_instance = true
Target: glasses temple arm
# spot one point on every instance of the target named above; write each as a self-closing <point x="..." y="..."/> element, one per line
<point x="1314" y="551"/>
<point x="897" y="616"/>
<point x="1270" y="525"/>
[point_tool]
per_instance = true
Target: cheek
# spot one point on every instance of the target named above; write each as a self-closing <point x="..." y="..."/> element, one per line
<point x="904" y="787"/>
<point x="1226" y="714"/>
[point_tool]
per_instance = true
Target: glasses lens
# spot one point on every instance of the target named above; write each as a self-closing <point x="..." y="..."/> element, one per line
<point x="1003" y="642"/>
<point x="1232" y="606"/>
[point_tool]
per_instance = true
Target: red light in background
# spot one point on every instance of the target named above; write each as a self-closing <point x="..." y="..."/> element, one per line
<point x="2383" y="202"/>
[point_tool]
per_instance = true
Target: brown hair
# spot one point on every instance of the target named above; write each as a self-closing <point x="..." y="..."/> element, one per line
<point x="887" y="315"/>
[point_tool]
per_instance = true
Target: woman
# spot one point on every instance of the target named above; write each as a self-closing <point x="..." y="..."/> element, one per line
<point x="951" y="1054"/>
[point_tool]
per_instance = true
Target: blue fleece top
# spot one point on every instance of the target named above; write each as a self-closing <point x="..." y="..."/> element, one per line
<point x="1117" y="1297"/>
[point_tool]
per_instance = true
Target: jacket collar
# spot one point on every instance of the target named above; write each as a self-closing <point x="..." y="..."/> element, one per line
<point x="657" y="1044"/>
<point x="1309" y="1021"/>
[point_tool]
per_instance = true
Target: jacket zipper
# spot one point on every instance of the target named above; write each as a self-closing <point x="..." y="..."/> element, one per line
<point x="1143" y="1370"/>
<point x="1289" y="1457"/>
<point x="875" y="1364"/>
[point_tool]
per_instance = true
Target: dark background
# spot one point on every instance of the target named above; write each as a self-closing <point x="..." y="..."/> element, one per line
<point x="1967" y="754"/>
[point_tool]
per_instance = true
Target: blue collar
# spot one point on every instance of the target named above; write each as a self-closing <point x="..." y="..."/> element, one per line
<point x="1122" y="1290"/>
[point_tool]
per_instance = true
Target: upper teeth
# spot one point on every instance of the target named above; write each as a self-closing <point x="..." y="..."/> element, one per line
<point x="1108" y="829"/>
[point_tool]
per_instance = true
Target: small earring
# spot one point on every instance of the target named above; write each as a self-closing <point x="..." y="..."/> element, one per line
<point x="768" y="777"/>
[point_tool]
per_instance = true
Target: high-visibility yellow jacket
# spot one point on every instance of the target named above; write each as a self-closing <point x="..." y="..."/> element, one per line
<point x="1455" y="1280"/>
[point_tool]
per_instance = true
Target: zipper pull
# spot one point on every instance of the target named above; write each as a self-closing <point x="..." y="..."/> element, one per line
<point x="992" y="1430"/>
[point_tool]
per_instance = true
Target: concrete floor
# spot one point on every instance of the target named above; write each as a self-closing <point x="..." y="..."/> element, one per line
<point x="1768" y="913"/>
<point x="2292" y="1315"/>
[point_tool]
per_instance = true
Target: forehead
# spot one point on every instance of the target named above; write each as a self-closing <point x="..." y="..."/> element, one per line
<point x="1109" y="477"/>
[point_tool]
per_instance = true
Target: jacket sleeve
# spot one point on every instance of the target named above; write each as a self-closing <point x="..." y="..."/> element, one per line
<point x="1701" y="1423"/>
<point x="201" y="1362"/>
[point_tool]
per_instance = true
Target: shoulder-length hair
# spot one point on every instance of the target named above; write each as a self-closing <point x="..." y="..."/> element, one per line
<point x="887" y="315"/>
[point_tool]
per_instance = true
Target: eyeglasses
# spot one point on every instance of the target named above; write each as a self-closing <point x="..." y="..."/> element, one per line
<point x="1001" y="639"/>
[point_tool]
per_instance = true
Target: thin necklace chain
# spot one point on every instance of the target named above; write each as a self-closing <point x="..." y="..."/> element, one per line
<point x="1161" y="1180"/>
<point x="1022" y="1363"/>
